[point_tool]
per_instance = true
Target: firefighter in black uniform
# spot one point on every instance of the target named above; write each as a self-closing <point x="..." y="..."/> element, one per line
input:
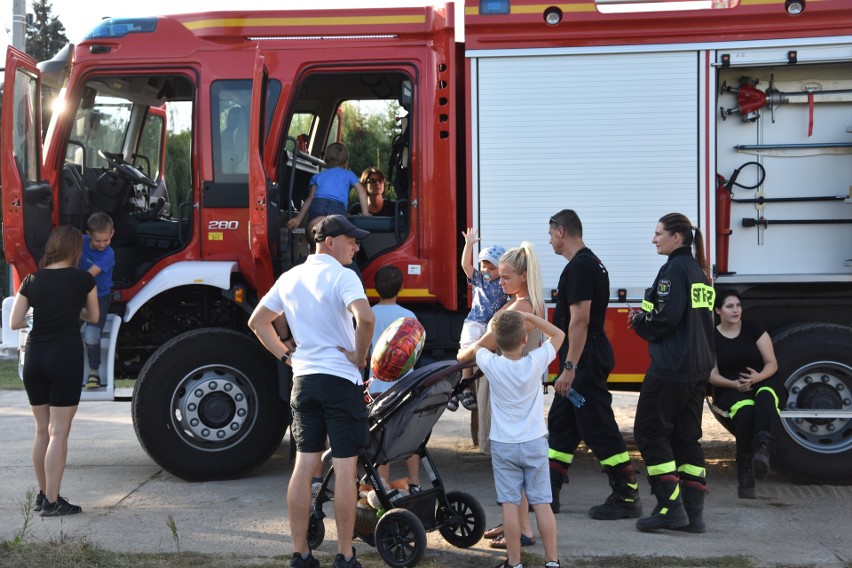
<point x="585" y="363"/>
<point x="677" y="321"/>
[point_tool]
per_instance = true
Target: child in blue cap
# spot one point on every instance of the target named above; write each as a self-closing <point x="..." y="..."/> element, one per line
<point x="488" y="297"/>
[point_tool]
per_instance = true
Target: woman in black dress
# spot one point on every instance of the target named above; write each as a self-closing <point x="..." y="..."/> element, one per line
<point x="743" y="386"/>
<point x="60" y="295"/>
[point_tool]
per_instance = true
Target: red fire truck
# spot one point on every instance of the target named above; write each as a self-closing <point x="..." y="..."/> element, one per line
<point x="737" y="114"/>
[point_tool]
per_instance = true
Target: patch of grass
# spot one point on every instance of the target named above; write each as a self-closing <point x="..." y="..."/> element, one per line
<point x="9" y="379"/>
<point x="71" y="553"/>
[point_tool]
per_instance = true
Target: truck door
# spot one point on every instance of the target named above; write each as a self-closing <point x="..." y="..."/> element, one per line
<point x="260" y="233"/>
<point x="27" y="198"/>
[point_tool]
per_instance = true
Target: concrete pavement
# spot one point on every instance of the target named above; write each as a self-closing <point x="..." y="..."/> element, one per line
<point x="127" y="499"/>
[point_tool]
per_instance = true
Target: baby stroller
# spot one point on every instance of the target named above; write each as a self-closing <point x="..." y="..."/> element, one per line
<point x="401" y="420"/>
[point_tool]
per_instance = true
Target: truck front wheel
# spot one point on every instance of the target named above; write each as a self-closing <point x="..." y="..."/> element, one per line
<point x="206" y="405"/>
<point x="815" y="363"/>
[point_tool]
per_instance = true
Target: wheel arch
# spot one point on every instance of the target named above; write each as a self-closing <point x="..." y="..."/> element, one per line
<point x="216" y="274"/>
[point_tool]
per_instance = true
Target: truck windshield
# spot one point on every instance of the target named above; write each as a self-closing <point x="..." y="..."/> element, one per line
<point x="101" y="123"/>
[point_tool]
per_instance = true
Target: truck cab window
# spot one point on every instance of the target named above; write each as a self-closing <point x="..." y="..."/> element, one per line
<point x="366" y="111"/>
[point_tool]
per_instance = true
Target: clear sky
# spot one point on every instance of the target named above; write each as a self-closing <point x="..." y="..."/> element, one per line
<point x="79" y="16"/>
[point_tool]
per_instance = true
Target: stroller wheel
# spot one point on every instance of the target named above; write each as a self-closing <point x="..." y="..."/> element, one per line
<point x="400" y="538"/>
<point x="316" y="531"/>
<point x="463" y="523"/>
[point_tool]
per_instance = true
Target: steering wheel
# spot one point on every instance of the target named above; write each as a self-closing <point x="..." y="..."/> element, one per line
<point x="126" y="170"/>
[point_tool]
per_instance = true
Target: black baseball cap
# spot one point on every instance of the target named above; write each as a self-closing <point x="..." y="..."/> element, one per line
<point x="336" y="225"/>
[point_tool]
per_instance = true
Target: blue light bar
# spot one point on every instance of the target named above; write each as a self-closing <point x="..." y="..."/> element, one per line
<point x="120" y="27"/>
<point x="493" y="7"/>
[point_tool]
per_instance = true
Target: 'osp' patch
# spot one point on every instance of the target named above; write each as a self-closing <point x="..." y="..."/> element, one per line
<point x="664" y="287"/>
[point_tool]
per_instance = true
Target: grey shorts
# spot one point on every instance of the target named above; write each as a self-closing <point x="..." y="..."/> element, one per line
<point x="521" y="466"/>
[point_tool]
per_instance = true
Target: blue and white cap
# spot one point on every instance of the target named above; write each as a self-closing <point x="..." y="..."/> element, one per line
<point x="492" y="254"/>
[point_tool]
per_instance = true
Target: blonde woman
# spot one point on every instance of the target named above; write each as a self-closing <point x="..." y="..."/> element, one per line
<point x="520" y="277"/>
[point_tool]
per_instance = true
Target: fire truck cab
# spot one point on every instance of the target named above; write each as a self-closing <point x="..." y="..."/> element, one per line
<point x="737" y="115"/>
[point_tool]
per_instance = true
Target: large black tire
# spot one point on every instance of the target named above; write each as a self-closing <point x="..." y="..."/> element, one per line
<point x="463" y="523"/>
<point x="815" y="365"/>
<point x="400" y="538"/>
<point x="206" y="405"/>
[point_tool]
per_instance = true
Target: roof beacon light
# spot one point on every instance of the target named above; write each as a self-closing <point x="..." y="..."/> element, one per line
<point x="794" y="7"/>
<point x="494" y="7"/>
<point x="552" y="16"/>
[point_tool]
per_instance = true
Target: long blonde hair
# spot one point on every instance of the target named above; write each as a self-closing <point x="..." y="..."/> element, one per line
<point x="523" y="260"/>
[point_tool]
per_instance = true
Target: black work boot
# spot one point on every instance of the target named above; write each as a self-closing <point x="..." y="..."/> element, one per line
<point x="623" y="502"/>
<point x="669" y="512"/>
<point x="745" y="479"/>
<point x="558" y="477"/>
<point x="763" y="441"/>
<point x="693" y="501"/>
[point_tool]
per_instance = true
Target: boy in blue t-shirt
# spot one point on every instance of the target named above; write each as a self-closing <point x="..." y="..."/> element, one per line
<point x="329" y="193"/>
<point x="488" y="298"/>
<point x="99" y="260"/>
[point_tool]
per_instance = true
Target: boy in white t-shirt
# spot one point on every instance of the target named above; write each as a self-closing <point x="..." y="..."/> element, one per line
<point x="518" y="430"/>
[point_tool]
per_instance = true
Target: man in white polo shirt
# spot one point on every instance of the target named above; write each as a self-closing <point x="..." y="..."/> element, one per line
<point x="317" y="301"/>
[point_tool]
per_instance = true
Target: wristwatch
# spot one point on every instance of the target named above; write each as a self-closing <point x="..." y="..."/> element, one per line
<point x="568" y="366"/>
<point x="285" y="357"/>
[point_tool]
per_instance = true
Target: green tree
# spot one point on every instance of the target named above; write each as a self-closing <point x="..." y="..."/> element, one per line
<point x="178" y="175"/>
<point x="46" y="35"/>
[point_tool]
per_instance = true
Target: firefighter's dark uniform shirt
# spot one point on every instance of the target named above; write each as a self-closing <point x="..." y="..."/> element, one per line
<point x="584" y="278"/>
<point x="678" y="325"/>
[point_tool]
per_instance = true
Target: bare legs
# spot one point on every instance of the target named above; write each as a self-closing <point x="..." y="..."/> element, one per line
<point x="50" y="446"/>
<point x="345" y="500"/>
<point x="299" y="499"/>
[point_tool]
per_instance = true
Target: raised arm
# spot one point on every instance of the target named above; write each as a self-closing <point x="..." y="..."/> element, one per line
<point x="470" y="237"/>
<point x="553" y="333"/>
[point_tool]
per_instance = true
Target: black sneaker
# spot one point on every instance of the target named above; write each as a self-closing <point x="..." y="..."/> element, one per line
<point x="40" y="500"/>
<point x="299" y="562"/>
<point x="340" y="562"/>
<point x="60" y="508"/>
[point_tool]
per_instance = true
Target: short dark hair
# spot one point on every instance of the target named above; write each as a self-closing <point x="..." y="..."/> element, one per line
<point x="568" y="220"/>
<point x="509" y="329"/>
<point x="722" y="295"/>
<point x="99" y="223"/>
<point x="388" y="282"/>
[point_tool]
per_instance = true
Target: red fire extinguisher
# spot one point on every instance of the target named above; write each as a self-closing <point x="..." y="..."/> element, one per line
<point x="724" y="195"/>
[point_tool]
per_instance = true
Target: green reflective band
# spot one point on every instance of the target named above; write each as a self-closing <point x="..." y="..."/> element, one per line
<point x="693" y="470"/>
<point x="560" y="456"/>
<point x="662" y="469"/>
<point x="702" y="296"/>
<point x="647" y="306"/>
<point x="675" y="493"/>
<point x="617" y="459"/>
<point x="736" y="407"/>
<point x="771" y="391"/>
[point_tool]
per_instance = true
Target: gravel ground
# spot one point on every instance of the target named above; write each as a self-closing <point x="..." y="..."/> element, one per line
<point x="127" y="499"/>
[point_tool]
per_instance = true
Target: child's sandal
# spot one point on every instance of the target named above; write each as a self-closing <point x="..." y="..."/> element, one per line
<point x="468" y="400"/>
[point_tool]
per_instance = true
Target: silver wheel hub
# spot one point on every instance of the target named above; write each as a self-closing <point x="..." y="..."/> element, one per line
<point x="822" y="385"/>
<point x="212" y="406"/>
